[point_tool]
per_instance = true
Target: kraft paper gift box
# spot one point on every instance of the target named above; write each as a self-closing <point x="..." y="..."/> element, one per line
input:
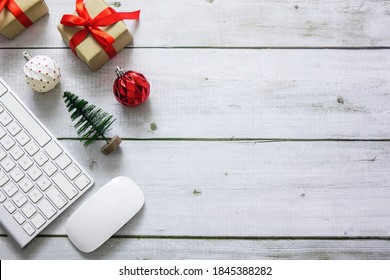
<point x="28" y="11"/>
<point x="89" y="50"/>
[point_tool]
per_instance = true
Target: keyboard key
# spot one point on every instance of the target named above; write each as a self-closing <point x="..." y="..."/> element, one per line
<point x="28" y="229"/>
<point x="19" y="199"/>
<point x="1" y="107"/>
<point x="40" y="158"/>
<point x="63" y="161"/>
<point x="7" y="142"/>
<point x="5" y="118"/>
<point x="19" y="218"/>
<point x="26" y="184"/>
<point x="46" y="208"/>
<point x="38" y="220"/>
<point x="34" y="173"/>
<point x="2" y="132"/>
<point x="31" y="148"/>
<point x="25" y="119"/>
<point x="2" y="196"/>
<point x="3" y="89"/>
<point x="82" y="181"/>
<point x="72" y="171"/>
<point x="53" y="150"/>
<point x="35" y="195"/>
<point x="29" y="210"/>
<point x="10" y="189"/>
<point x="22" y="138"/>
<point x="17" y="174"/>
<point x="50" y="168"/>
<point x="3" y="178"/>
<point x="56" y="197"/>
<point x="8" y="164"/>
<point x="13" y="128"/>
<point x="43" y="183"/>
<point x="25" y="162"/>
<point x="16" y="152"/>
<point x="64" y="185"/>
<point x="9" y="206"/>
<point x="2" y="154"/>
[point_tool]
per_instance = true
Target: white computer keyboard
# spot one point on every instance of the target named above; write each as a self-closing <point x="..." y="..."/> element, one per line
<point x="39" y="179"/>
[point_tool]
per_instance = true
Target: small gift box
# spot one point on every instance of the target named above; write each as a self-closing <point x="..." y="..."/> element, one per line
<point x="17" y="15"/>
<point x="95" y="32"/>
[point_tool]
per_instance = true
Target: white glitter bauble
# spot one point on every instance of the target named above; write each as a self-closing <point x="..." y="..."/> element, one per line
<point x="41" y="72"/>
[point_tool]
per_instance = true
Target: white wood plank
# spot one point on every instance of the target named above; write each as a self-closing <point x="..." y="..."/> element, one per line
<point x="197" y="93"/>
<point x="230" y="23"/>
<point x="249" y="188"/>
<point x="184" y="249"/>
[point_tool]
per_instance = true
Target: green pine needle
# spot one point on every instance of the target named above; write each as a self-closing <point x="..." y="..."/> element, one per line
<point x="92" y="122"/>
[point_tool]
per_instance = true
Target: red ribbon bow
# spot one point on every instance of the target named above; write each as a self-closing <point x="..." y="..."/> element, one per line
<point x="16" y="11"/>
<point x="91" y="25"/>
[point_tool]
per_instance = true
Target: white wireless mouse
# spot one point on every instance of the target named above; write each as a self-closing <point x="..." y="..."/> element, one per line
<point x="109" y="209"/>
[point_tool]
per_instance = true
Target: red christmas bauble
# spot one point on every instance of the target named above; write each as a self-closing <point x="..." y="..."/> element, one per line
<point x="131" y="88"/>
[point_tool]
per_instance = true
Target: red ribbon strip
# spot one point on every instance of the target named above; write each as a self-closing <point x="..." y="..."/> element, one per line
<point x="16" y="11"/>
<point x="91" y="25"/>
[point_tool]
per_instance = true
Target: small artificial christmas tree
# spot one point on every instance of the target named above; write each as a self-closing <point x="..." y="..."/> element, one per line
<point x="92" y="122"/>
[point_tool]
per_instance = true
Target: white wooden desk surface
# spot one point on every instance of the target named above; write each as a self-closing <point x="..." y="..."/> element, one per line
<point x="273" y="129"/>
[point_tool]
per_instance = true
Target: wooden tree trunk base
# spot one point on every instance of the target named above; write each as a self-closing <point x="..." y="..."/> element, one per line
<point x="111" y="145"/>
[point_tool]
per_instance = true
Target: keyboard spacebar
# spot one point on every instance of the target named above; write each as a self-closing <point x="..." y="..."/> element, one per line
<point x="25" y="119"/>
